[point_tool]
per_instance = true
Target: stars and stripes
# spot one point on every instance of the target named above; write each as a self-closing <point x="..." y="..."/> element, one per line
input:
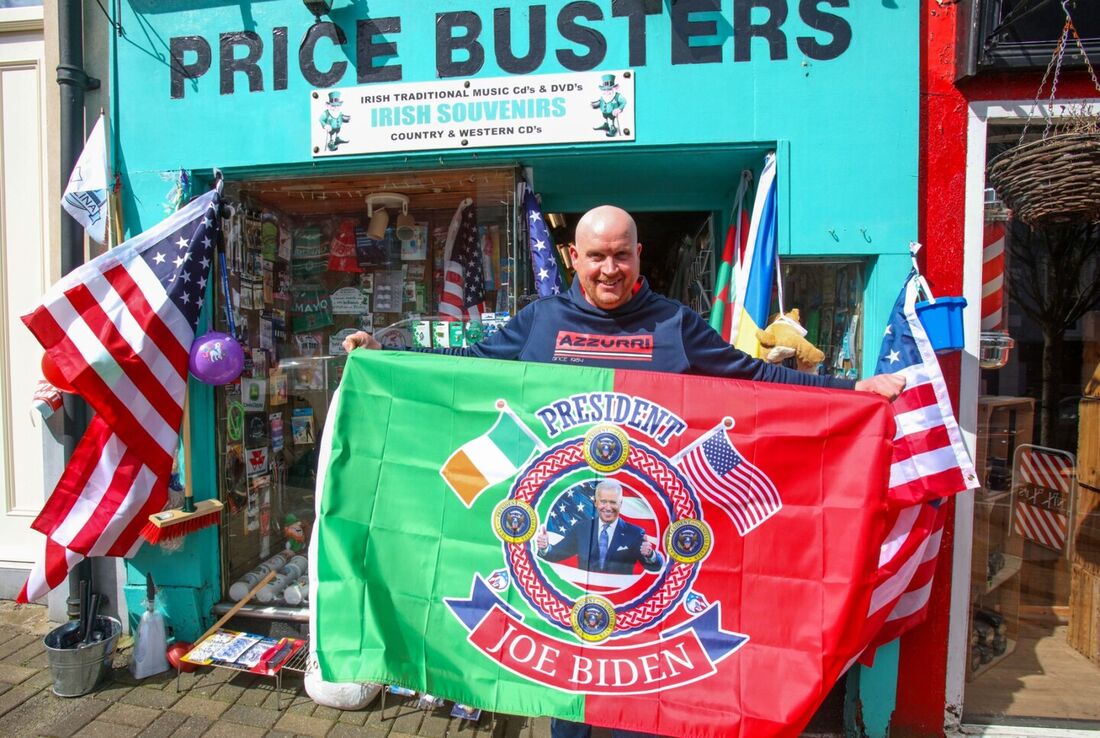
<point x="930" y="463"/>
<point x="578" y="505"/>
<point x="463" y="276"/>
<point x="119" y="329"/>
<point x="547" y="276"/>
<point x="723" y="476"/>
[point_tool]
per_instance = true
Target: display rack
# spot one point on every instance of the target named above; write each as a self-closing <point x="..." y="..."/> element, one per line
<point x="1004" y="423"/>
<point x="279" y="655"/>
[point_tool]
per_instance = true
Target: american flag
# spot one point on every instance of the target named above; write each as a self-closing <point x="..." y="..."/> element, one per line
<point x="463" y="277"/>
<point x="930" y="463"/>
<point x="547" y="277"/>
<point x="119" y="328"/>
<point x="578" y="505"/>
<point x="722" y="475"/>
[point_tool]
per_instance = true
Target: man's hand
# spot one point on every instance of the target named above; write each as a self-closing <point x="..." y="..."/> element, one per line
<point x="542" y="541"/>
<point x="887" y="385"/>
<point x="646" y="549"/>
<point x="360" y="339"/>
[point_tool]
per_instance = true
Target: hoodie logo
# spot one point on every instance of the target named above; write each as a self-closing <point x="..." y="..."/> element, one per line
<point x="570" y="345"/>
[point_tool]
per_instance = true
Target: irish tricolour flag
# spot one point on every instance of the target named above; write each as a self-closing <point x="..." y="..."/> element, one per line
<point x="490" y="458"/>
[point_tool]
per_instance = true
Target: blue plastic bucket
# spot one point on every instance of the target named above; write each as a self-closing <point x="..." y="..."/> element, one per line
<point x="943" y="322"/>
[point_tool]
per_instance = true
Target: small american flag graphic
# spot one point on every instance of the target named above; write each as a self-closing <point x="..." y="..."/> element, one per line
<point x="724" y="477"/>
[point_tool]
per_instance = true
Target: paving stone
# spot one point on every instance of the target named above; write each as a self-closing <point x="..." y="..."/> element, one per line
<point x="540" y="728"/>
<point x="104" y="729"/>
<point x="353" y="717"/>
<point x="194" y="727"/>
<point x="148" y="697"/>
<point x="112" y="691"/>
<point x="302" y="707"/>
<point x="257" y="696"/>
<point x="231" y="730"/>
<point x="14" y="644"/>
<point x="12" y="674"/>
<point x="305" y="725"/>
<point x="34" y="651"/>
<point x="68" y="716"/>
<point x="130" y="715"/>
<point x="165" y="726"/>
<point x="327" y="713"/>
<point x="41" y="679"/>
<point x="245" y="715"/>
<point x="278" y="734"/>
<point x="200" y="707"/>
<point x="407" y="721"/>
<point x="14" y="697"/>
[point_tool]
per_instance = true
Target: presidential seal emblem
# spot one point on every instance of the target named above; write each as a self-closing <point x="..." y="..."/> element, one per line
<point x="688" y="540"/>
<point x="514" y="521"/>
<point x="592" y="618"/>
<point x="606" y="448"/>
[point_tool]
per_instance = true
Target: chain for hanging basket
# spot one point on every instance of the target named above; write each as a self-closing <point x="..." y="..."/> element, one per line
<point x="1057" y="178"/>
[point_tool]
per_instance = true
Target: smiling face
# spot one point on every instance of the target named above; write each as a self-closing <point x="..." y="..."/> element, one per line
<point x="607" y="256"/>
<point x="609" y="499"/>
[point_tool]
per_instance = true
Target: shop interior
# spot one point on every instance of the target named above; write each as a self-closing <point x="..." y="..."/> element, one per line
<point x="1034" y="647"/>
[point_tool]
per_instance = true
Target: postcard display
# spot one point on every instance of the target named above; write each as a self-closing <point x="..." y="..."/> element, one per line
<point x="297" y="288"/>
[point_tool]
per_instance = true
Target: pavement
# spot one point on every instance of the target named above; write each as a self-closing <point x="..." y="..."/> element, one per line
<point x="212" y="702"/>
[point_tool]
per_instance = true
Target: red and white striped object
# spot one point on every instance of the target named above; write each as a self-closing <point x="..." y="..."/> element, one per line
<point x="1050" y="469"/>
<point x="993" y="276"/>
<point x="119" y="329"/>
<point x="1040" y="525"/>
<point x="930" y="464"/>
<point x="463" y="274"/>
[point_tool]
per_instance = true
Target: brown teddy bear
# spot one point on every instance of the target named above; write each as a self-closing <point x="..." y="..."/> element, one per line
<point x="785" y="337"/>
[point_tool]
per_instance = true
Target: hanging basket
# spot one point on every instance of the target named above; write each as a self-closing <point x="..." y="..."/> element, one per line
<point x="1052" y="181"/>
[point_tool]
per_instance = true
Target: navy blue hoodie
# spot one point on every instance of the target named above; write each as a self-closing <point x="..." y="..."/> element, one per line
<point x="649" y="332"/>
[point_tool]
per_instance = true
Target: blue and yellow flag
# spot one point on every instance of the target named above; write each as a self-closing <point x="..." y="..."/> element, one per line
<point x="756" y="268"/>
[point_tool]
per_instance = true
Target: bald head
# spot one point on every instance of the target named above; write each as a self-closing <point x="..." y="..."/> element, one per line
<point x="607" y="221"/>
<point x="606" y="256"/>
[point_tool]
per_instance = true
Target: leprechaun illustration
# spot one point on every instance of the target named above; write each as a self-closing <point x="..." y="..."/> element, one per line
<point x="332" y="120"/>
<point x="610" y="104"/>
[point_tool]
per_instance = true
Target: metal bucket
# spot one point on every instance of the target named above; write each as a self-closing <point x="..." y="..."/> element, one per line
<point x="77" y="669"/>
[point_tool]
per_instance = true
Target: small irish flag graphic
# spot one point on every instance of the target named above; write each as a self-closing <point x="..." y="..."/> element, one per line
<point x="492" y="457"/>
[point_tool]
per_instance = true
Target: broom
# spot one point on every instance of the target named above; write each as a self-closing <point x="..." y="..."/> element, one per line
<point x="193" y="516"/>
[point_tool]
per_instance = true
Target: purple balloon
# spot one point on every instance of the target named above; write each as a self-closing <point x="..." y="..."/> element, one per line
<point x="216" y="358"/>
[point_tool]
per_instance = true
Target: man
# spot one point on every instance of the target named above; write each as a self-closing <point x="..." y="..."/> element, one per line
<point x="605" y="544"/>
<point x="610" y="318"/>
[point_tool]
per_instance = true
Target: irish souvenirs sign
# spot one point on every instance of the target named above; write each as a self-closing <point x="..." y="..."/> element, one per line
<point x="474" y="113"/>
<point x="683" y="555"/>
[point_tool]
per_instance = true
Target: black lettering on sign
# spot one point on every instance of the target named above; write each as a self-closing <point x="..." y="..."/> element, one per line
<point x="536" y="40"/>
<point x="684" y="29"/>
<point x="366" y="50"/>
<point x="279" y="58"/>
<point x="744" y="30"/>
<point x="590" y="38"/>
<point x="446" y="44"/>
<point x="306" y="62"/>
<point x="230" y="65"/>
<point x="179" y="47"/>
<point x="636" y="11"/>
<point x="832" y="24"/>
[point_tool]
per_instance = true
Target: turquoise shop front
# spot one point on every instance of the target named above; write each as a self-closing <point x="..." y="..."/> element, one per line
<point x="336" y="132"/>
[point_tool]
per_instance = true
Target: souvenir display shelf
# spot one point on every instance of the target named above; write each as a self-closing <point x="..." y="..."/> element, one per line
<point x="248" y="652"/>
<point x="1004" y="423"/>
<point x="306" y="264"/>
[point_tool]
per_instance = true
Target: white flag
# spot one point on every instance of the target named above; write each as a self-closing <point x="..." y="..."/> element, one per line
<point x="85" y="196"/>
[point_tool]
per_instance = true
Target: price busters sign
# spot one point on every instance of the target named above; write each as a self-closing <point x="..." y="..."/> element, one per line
<point x="476" y="113"/>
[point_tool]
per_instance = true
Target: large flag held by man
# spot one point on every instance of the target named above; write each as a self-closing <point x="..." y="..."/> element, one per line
<point x="738" y="572"/>
<point x="119" y="329"/>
